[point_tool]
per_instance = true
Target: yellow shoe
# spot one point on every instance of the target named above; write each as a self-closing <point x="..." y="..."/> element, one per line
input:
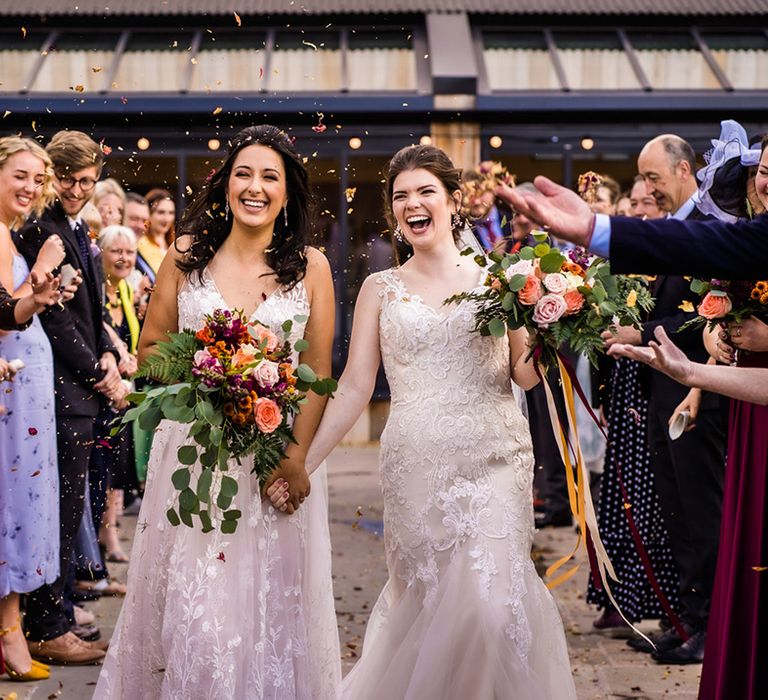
<point x="41" y="665"/>
<point x="37" y="671"/>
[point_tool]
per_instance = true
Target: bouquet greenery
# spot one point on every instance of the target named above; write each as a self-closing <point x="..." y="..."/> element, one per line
<point x="234" y="382"/>
<point x="560" y="297"/>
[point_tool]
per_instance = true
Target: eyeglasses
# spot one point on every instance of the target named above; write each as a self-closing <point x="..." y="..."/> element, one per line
<point x="68" y="182"/>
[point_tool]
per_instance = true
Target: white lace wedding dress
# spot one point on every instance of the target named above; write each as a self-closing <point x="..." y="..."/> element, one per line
<point x="464" y="614"/>
<point x="226" y="617"/>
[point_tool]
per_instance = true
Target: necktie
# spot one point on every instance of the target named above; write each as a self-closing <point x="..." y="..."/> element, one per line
<point x="82" y="243"/>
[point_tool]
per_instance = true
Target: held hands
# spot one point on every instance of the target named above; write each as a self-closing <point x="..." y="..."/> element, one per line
<point x="751" y="334"/>
<point x="288" y="486"/>
<point x="562" y="210"/>
<point x="109" y="384"/>
<point x="662" y="355"/>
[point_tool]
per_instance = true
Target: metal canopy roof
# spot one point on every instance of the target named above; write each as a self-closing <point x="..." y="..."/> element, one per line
<point x="341" y="7"/>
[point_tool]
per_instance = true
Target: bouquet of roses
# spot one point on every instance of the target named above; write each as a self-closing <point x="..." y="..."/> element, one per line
<point x="233" y="381"/>
<point x="559" y="297"/>
<point x="726" y="301"/>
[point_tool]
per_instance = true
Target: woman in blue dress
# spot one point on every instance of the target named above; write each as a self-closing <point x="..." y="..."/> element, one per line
<point x="29" y="514"/>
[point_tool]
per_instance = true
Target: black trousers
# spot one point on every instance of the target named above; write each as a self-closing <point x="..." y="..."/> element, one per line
<point x="689" y="481"/>
<point x="46" y="616"/>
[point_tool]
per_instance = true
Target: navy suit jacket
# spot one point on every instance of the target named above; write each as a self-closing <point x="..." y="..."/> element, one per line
<point x="710" y="248"/>
<point x="75" y="329"/>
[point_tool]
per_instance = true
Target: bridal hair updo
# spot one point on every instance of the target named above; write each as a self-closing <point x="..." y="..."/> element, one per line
<point x="207" y="223"/>
<point x="431" y="159"/>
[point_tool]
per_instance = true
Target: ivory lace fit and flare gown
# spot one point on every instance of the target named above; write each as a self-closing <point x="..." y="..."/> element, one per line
<point x="464" y="613"/>
<point x="227" y="617"/>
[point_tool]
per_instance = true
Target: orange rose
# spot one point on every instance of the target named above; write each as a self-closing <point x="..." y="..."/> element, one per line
<point x="531" y="291"/>
<point x="267" y="415"/>
<point x="287" y="369"/>
<point x="263" y="334"/>
<point x="574" y="301"/>
<point x="715" y="305"/>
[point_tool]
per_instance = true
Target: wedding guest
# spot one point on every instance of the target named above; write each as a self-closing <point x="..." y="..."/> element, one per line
<point x="29" y="489"/>
<point x="624" y="205"/>
<point x="607" y="195"/>
<point x="160" y="232"/>
<point x="490" y="221"/>
<point x="109" y="199"/>
<point x="85" y="365"/>
<point x="688" y="471"/>
<point x="136" y="216"/>
<point x="642" y="204"/>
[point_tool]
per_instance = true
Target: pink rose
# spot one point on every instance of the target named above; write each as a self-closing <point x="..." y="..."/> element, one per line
<point x="715" y="305"/>
<point x="262" y="333"/>
<point x="267" y="373"/>
<point x="574" y="301"/>
<point x="201" y="358"/>
<point x="267" y="415"/>
<point x="549" y="309"/>
<point x="555" y="283"/>
<point x="531" y="291"/>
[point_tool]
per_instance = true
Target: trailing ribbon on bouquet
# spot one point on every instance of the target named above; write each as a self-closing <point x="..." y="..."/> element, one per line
<point x="580" y="497"/>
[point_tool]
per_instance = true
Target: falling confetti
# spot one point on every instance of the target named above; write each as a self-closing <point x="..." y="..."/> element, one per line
<point x="6" y="113"/>
<point x="79" y="88"/>
<point x="309" y="43"/>
<point x="237" y="19"/>
<point x="686" y="306"/>
<point x="319" y="128"/>
<point x="349" y="193"/>
<point x="218" y="110"/>
<point x="97" y="69"/>
<point x="633" y="412"/>
<point x="124" y="100"/>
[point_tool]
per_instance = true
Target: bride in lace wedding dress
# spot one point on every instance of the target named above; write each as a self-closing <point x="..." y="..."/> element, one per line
<point x="250" y="614"/>
<point x="463" y="614"/>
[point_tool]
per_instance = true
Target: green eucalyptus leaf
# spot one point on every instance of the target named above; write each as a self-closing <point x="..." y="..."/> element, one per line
<point x="508" y="301"/>
<point x="186" y="517"/>
<point x="541" y="250"/>
<point x="306" y="373"/>
<point x="552" y="262"/>
<point x="204" y="485"/>
<point x="527" y="253"/>
<point x="187" y="454"/>
<point x="150" y="419"/>
<point x="228" y="527"/>
<point x="287" y="326"/>
<point x="232" y="515"/>
<point x="188" y="501"/>
<point x="205" y="519"/>
<point x="223" y="501"/>
<point x="180" y="478"/>
<point x="228" y="486"/>
<point x="517" y="282"/>
<point x="497" y="327"/>
<point x="301" y="345"/>
<point x="173" y="518"/>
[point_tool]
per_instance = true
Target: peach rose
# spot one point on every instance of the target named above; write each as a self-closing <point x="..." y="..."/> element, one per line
<point x="262" y="333"/>
<point x="573" y="301"/>
<point x="715" y="305"/>
<point x="555" y="283"/>
<point x="531" y="291"/>
<point x="267" y="414"/>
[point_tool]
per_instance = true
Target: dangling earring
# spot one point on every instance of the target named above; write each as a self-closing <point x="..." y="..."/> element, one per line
<point x="285" y="215"/>
<point x="456" y="220"/>
<point x="226" y="207"/>
<point x="398" y="233"/>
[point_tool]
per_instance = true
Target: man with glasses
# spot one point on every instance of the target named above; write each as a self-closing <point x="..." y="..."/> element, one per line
<point x="85" y="368"/>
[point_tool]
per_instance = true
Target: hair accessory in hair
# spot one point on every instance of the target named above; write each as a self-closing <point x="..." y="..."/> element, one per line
<point x="723" y="189"/>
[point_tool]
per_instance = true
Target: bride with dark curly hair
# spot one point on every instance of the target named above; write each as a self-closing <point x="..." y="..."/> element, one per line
<point x="248" y="614"/>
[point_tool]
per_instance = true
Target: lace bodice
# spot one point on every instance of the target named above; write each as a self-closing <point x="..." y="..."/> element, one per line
<point x="455" y="382"/>
<point x="198" y="298"/>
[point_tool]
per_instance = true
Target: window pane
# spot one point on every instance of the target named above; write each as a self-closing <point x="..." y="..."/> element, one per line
<point x="742" y="56"/>
<point x="77" y="62"/>
<point x="306" y="61"/>
<point x="230" y="61"/>
<point x="154" y="62"/>
<point x="672" y="61"/>
<point x="518" y="61"/>
<point x="381" y="61"/>
<point x="17" y="56"/>
<point x="595" y="61"/>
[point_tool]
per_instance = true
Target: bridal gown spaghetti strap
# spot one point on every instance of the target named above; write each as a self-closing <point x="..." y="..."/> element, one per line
<point x="464" y="613"/>
<point x="232" y="617"/>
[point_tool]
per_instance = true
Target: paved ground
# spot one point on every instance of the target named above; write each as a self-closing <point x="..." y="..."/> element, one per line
<point x="604" y="668"/>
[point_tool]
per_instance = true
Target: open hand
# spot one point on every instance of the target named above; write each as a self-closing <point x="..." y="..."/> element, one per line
<point x="662" y="355"/>
<point x="565" y="213"/>
<point x="45" y="288"/>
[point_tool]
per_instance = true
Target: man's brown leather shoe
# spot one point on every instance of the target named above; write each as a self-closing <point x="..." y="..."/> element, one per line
<point x="100" y="644"/>
<point x="66" y="649"/>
